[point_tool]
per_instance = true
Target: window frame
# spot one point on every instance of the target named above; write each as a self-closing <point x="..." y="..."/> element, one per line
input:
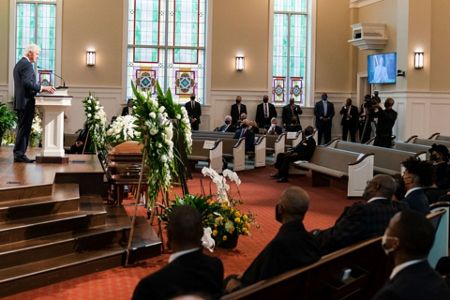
<point x="309" y="80"/>
<point x="13" y="35"/>
<point x="169" y="48"/>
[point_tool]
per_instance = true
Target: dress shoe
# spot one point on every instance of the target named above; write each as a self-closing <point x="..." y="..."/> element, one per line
<point x="276" y="175"/>
<point x="23" y="159"/>
<point x="282" y="179"/>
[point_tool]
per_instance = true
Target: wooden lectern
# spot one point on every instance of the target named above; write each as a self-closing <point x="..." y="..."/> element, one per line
<point x="52" y="106"/>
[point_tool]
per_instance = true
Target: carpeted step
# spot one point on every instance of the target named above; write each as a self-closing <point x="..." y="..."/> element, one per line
<point x="64" y="198"/>
<point x="58" y="268"/>
<point x="45" y="247"/>
<point x="29" y="228"/>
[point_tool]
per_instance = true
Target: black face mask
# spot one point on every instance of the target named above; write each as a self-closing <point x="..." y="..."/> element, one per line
<point x="433" y="157"/>
<point x="265" y="100"/>
<point x="227" y="122"/>
<point x="238" y="102"/>
<point x="278" y="215"/>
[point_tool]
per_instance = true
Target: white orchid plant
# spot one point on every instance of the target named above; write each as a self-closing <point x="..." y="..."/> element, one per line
<point x="122" y="129"/>
<point x="95" y="121"/>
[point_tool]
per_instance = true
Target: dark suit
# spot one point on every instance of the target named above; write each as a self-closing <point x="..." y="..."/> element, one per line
<point x="226" y="128"/>
<point x="349" y="122"/>
<point x="293" y="247"/>
<point x="236" y="112"/>
<point x="194" y="111"/>
<point x="261" y="120"/>
<point x="25" y="88"/>
<point x="359" y="222"/>
<point x="324" y="120"/>
<point x="192" y="273"/>
<point x="418" y="201"/>
<point x="418" y="281"/>
<point x="275" y="130"/>
<point x="386" y="121"/>
<point x="249" y="135"/>
<point x="291" y="117"/>
<point x="125" y="111"/>
<point x="303" y="151"/>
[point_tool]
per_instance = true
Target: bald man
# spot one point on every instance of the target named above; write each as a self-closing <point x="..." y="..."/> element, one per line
<point x="408" y="240"/>
<point x="363" y="220"/>
<point x="293" y="247"/>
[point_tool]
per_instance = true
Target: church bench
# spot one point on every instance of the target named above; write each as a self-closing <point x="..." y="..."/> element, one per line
<point x="212" y="154"/>
<point x="329" y="162"/>
<point x="275" y="144"/>
<point x="438" y="137"/>
<point x="369" y="267"/>
<point x="415" y="140"/>
<point x="416" y="148"/>
<point x="386" y="160"/>
<point x="294" y="139"/>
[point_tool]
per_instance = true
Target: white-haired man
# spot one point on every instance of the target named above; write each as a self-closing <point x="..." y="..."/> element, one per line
<point x="25" y="88"/>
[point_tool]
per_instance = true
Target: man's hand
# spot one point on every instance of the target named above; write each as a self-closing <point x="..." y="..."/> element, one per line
<point x="48" y="89"/>
<point x="232" y="285"/>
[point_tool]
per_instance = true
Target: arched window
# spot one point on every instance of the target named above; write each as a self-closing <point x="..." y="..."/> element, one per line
<point x="291" y="27"/>
<point x="38" y="22"/>
<point x="166" y="43"/>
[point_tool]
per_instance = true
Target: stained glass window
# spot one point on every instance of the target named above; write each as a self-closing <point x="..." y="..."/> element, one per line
<point x="290" y="27"/>
<point x="36" y="23"/>
<point x="166" y="43"/>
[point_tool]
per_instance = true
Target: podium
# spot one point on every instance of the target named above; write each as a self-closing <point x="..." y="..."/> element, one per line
<point x="53" y="106"/>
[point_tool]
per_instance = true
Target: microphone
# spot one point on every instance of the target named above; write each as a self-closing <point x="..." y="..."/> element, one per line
<point x="56" y="75"/>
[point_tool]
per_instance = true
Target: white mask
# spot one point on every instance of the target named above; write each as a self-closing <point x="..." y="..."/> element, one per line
<point x="384" y="239"/>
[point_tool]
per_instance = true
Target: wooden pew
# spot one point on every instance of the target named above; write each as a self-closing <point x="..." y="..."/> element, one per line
<point x="275" y="144"/>
<point x="328" y="162"/>
<point x="438" y="137"/>
<point x="369" y="266"/>
<point x="415" y="140"/>
<point x="416" y="148"/>
<point x="386" y="160"/>
<point x="212" y="155"/>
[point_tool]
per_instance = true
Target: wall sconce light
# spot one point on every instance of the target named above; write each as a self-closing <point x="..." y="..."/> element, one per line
<point x="90" y="58"/>
<point x="418" y="60"/>
<point x="240" y="63"/>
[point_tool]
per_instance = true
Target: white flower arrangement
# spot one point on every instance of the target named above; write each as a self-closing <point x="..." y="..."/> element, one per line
<point x="95" y="120"/>
<point x="155" y="131"/>
<point x="122" y="129"/>
<point x="36" y="129"/>
<point x="221" y="182"/>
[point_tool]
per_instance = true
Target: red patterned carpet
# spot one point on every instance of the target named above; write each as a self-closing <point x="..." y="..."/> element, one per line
<point x="259" y="193"/>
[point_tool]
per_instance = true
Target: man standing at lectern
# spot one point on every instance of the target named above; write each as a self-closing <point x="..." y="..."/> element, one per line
<point x="25" y="88"/>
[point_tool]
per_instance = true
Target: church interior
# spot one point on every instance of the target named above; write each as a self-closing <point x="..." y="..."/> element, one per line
<point x="89" y="218"/>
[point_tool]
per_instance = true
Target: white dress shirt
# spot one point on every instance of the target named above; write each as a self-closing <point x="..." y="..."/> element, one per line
<point x="181" y="253"/>
<point x="403" y="266"/>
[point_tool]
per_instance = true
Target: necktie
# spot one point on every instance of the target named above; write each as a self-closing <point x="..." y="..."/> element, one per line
<point x="266" y="114"/>
<point x="192" y="104"/>
<point x="324" y="108"/>
<point x="239" y="110"/>
<point x="243" y="132"/>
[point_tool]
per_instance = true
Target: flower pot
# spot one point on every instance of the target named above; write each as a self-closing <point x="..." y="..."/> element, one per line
<point x="231" y="242"/>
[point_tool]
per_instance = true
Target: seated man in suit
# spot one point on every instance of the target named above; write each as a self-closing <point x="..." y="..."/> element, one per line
<point x="127" y="110"/>
<point x="303" y="151"/>
<point x="227" y="126"/>
<point x="293" y="247"/>
<point x="418" y="174"/>
<point x="439" y="156"/>
<point x="408" y="239"/>
<point x="189" y="270"/>
<point x="246" y="131"/>
<point x="363" y="220"/>
<point x="274" y="127"/>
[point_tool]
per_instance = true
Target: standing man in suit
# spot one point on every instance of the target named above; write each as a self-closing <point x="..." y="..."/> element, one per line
<point x="303" y="151"/>
<point x="194" y="111"/>
<point x="418" y="174"/>
<point x="408" y="240"/>
<point x="293" y="247"/>
<point x="363" y="220"/>
<point x="189" y="270"/>
<point x="386" y="121"/>
<point x="324" y="112"/>
<point x="349" y="121"/>
<point x="264" y="113"/>
<point x="237" y="110"/>
<point x="25" y="88"/>
<point x="291" y="116"/>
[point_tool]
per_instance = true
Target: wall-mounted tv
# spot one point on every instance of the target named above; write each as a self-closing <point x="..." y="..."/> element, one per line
<point x="382" y="68"/>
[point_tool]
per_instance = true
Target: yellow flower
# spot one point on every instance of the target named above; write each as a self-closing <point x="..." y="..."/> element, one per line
<point x="237" y="214"/>
<point x="224" y="238"/>
<point x="237" y="220"/>
<point x="245" y="217"/>
<point x="214" y="233"/>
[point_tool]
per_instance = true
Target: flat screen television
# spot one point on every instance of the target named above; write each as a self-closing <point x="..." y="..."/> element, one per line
<point x="382" y="68"/>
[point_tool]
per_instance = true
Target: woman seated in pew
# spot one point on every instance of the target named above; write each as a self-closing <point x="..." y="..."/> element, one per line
<point x="293" y="247"/>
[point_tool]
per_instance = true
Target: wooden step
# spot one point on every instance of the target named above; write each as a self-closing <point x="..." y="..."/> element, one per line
<point x="42" y="248"/>
<point x="32" y="275"/>
<point x="25" y="192"/>
<point x="64" y="198"/>
<point x="29" y="228"/>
